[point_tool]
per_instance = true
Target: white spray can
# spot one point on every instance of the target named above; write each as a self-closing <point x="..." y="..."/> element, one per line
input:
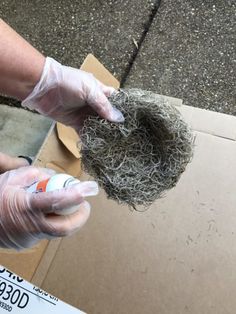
<point x="56" y="182"/>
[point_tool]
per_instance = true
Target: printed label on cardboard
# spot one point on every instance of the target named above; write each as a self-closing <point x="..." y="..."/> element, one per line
<point x="19" y="296"/>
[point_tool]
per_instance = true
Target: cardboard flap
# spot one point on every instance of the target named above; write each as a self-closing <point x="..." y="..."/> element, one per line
<point x="72" y="167"/>
<point x="69" y="138"/>
<point x="92" y="65"/>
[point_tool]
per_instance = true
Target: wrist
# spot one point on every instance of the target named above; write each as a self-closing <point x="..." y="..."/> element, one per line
<point x="44" y="94"/>
<point x="32" y="78"/>
<point x="19" y="84"/>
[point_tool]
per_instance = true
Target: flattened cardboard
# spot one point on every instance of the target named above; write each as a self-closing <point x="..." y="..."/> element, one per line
<point x="24" y="263"/>
<point x="177" y="257"/>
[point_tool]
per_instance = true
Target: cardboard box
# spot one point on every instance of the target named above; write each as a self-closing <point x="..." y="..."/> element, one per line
<point x="19" y="296"/>
<point x="177" y="257"/>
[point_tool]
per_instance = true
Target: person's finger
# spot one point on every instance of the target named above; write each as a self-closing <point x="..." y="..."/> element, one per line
<point x="76" y="119"/>
<point x="107" y="90"/>
<point x="10" y="163"/>
<point x="59" y="226"/>
<point x="28" y="159"/>
<point x="102" y="106"/>
<point x="25" y="176"/>
<point x="51" y="202"/>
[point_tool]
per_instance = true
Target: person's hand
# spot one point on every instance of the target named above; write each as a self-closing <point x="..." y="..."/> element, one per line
<point x="26" y="217"/>
<point x="9" y="163"/>
<point x="69" y="95"/>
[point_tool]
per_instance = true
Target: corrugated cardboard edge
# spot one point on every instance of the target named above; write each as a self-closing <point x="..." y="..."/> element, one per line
<point x="37" y="157"/>
<point x="45" y="262"/>
<point x="172" y="101"/>
<point x="222" y="125"/>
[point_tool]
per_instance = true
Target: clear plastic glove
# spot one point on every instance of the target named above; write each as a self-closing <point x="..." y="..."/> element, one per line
<point x="25" y="218"/>
<point x="69" y="95"/>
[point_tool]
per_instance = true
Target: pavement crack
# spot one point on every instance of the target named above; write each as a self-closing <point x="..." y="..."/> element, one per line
<point x="138" y="44"/>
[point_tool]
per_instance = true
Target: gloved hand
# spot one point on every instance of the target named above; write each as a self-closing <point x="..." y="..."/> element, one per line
<point x="25" y="218"/>
<point x="68" y="95"/>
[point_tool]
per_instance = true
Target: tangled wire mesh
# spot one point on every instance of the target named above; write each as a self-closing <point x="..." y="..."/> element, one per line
<point x="136" y="161"/>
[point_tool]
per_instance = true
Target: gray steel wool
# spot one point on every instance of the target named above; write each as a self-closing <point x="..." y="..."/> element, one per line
<point x="138" y="160"/>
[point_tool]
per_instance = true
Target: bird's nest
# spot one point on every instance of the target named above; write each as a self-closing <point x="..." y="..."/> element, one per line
<point x="138" y="160"/>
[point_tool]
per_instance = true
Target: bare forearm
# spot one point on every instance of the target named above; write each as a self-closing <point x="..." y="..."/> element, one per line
<point x="21" y="65"/>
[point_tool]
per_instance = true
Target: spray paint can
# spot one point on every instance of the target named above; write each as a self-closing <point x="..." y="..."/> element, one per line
<point x="56" y="182"/>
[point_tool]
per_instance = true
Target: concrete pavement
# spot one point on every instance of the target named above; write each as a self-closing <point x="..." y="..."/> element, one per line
<point x="184" y="49"/>
<point x="190" y="53"/>
<point x="21" y="132"/>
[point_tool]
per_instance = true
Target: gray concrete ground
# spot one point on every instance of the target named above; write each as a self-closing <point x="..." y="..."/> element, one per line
<point x="190" y="53"/>
<point x="69" y="30"/>
<point x="182" y="48"/>
<point x="21" y="132"/>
